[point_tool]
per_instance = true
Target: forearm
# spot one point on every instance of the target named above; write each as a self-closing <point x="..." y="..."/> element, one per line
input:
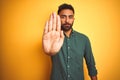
<point x="93" y="77"/>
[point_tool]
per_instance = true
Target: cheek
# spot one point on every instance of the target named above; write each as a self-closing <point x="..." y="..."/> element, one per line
<point x="71" y="21"/>
<point x="62" y="21"/>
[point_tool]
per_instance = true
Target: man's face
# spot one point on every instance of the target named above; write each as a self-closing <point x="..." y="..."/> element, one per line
<point x="67" y="19"/>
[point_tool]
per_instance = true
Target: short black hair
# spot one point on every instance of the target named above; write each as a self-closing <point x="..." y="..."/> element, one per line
<point x="65" y="6"/>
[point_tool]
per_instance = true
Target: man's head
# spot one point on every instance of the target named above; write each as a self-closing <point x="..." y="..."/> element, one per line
<point x="66" y="13"/>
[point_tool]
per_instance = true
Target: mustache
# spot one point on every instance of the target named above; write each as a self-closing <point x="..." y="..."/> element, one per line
<point x="67" y="24"/>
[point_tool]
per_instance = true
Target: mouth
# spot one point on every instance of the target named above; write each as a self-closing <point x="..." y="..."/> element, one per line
<point x="67" y="25"/>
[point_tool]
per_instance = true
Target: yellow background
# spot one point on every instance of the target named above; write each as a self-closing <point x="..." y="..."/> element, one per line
<point x="22" y="27"/>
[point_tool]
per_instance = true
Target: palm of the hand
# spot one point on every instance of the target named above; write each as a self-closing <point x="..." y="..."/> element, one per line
<point x="53" y="36"/>
<point x="52" y="41"/>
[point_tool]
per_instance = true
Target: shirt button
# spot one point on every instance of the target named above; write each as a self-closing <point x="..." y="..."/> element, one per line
<point x="68" y="47"/>
<point x="68" y="66"/>
<point x="68" y="75"/>
<point x="68" y="57"/>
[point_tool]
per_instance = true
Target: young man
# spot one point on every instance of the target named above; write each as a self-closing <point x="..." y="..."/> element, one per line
<point x="67" y="47"/>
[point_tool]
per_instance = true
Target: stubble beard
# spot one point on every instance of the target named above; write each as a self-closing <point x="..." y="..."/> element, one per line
<point x="66" y="27"/>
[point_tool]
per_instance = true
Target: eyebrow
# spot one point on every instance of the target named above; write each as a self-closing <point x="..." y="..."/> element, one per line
<point x="66" y="15"/>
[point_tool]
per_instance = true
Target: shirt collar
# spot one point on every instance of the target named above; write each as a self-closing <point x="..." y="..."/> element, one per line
<point x="72" y="33"/>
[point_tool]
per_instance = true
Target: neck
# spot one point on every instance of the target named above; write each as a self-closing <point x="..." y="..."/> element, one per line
<point x="67" y="33"/>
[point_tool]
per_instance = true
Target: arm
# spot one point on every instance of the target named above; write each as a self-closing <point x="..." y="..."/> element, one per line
<point x="89" y="58"/>
<point x="53" y="37"/>
<point x="93" y="77"/>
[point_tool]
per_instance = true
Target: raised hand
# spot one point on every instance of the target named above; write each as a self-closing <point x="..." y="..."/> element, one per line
<point x="53" y="37"/>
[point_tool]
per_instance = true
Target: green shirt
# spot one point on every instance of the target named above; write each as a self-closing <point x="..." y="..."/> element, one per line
<point x="67" y="64"/>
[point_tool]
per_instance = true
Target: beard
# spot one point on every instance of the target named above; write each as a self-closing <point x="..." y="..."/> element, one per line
<point x="66" y="27"/>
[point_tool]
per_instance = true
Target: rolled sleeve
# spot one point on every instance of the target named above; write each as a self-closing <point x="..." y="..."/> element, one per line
<point x="89" y="58"/>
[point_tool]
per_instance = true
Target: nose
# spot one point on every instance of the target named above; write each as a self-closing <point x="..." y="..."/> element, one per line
<point x="67" y="19"/>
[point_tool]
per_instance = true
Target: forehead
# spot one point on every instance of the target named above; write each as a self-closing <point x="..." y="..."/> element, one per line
<point x="66" y="12"/>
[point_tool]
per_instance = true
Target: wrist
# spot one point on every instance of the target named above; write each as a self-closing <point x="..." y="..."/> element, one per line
<point x="93" y="77"/>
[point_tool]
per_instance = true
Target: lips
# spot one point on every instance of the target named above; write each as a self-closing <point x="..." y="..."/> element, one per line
<point x="66" y="24"/>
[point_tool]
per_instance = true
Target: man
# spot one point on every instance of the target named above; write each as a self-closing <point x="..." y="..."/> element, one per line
<point x="67" y="47"/>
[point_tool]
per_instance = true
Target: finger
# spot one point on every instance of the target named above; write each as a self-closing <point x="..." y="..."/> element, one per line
<point x="46" y="28"/>
<point x="58" y="23"/>
<point x="50" y="23"/>
<point x="61" y="35"/>
<point x="54" y="21"/>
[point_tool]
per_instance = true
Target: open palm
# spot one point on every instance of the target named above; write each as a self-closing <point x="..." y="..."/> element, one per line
<point x="53" y="36"/>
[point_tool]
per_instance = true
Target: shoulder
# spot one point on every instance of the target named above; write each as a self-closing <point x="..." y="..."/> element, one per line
<point x="83" y="38"/>
<point x="81" y="35"/>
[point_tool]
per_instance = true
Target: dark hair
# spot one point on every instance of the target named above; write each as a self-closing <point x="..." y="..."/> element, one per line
<point x="65" y="6"/>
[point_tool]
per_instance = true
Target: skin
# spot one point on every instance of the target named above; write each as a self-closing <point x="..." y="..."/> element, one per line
<point x="67" y="19"/>
<point x="53" y="36"/>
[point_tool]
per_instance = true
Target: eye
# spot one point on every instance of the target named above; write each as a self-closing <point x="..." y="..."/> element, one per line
<point x="62" y="16"/>
<point x="71" y="16"/>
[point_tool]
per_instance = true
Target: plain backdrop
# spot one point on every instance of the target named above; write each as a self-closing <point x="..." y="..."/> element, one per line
<point x="22" y="27"/>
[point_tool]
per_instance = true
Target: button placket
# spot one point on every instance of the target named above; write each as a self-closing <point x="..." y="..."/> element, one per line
<point x="68" y="59"/>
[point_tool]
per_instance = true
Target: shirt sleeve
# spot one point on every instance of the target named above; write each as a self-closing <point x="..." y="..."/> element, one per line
<point x="89" y="58"/>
